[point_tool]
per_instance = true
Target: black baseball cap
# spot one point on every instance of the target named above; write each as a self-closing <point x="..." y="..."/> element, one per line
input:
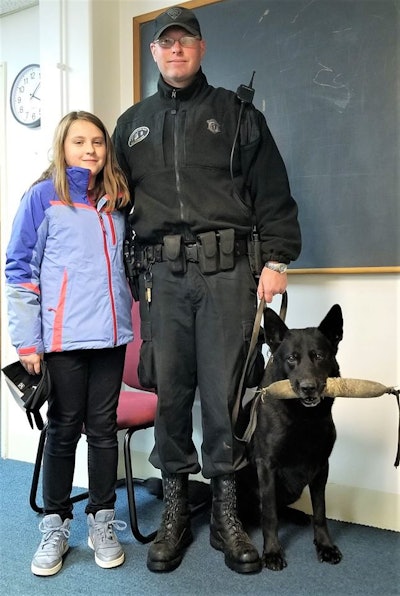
<point x="176" y="17"/>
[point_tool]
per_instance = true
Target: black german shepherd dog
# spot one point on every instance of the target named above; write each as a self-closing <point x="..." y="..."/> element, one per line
<point x="294" y="438"/>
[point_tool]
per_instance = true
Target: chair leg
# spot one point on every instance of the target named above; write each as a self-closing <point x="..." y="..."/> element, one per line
<point x="36" y="475"/>
<point x="131" y="491"/>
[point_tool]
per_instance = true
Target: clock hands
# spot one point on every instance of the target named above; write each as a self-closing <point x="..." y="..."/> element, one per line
<point x="32" y="95"/>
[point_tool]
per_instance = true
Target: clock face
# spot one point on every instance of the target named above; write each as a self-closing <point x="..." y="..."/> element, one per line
<point x="25" y="96"/>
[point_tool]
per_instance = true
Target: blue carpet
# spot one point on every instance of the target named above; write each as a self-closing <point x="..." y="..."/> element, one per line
<point x="370" y="565"/>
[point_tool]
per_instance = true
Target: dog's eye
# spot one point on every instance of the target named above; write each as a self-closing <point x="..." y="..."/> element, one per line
<point x="292" y="358"/>
<point x="319" y="356"/>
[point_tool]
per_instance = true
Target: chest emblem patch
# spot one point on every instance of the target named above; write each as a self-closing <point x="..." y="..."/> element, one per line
<point x="213" y="126"/>
<point x="139" y="134"/>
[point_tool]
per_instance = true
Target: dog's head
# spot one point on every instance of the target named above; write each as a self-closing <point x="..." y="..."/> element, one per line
<point x="307" y="357"/>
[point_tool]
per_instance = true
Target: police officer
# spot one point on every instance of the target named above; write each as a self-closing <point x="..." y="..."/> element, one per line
<point x="199" y="183"/>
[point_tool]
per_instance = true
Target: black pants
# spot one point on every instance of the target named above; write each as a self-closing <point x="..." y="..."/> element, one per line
<point x="85" y="391"/>
<point x="198" y="328"/>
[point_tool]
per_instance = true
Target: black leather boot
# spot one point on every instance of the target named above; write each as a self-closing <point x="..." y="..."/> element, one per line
<point x="226" y="530"/>
<point x="174" y="535"/>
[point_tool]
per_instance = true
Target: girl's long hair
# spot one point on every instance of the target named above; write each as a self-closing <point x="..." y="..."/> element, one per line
<point x="110" y="181"/>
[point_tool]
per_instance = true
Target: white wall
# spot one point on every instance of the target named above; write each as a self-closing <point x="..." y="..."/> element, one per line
<point x="45" y="34"/>
<point x="85" y="49"/>
<point x="363" y="483"/>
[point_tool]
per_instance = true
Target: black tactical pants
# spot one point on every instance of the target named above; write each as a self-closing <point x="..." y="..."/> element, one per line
<point x="197" y="329"/>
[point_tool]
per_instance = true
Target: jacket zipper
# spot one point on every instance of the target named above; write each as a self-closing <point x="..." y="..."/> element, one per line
<point x="108" y="263"/>
<point x="176" y="155"/>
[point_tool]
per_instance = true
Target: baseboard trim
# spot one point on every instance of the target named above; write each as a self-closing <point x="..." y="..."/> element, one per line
<point x="358" y="505"/>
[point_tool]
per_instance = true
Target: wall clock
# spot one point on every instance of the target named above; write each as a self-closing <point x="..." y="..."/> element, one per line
<point x="25" y="96"/>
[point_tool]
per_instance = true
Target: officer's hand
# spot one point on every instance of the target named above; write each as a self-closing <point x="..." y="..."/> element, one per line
<point x="270" y="284"/>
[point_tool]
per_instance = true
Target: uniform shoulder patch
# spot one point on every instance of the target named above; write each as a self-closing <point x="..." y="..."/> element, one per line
<point x="139" y="134"/>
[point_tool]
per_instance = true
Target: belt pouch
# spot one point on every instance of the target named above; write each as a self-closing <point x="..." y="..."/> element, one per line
<point x="226" y="249"/>
<point x="208" y="254"/>
<point x="174" y="253"/>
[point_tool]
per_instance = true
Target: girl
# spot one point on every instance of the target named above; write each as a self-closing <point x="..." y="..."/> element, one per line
<point x="69" y="303"/>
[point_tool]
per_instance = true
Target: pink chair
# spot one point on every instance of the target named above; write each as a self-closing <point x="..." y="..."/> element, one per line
<point x="136" y="411"/>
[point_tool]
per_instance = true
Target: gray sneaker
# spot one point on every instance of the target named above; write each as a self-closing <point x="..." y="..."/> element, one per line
<point x="48" y="558"/>
<point x="102" y="539"/>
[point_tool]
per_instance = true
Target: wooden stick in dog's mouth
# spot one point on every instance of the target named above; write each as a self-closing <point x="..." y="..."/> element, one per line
<point x="335" y="387"/>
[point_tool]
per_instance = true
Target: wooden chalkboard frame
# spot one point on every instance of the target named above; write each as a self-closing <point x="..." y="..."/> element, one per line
<point x="138" y="21"/>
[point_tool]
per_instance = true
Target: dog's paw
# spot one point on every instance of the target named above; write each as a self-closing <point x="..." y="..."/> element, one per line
<point x="274" y="561"/>
<point x="328" y="554"/>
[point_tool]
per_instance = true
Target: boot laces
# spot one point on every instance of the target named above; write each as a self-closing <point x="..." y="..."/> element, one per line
<point x="232" y="520"/>
<point x="171" y="526"/>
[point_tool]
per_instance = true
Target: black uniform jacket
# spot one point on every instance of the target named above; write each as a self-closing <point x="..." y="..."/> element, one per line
<point x="175" y="148"/>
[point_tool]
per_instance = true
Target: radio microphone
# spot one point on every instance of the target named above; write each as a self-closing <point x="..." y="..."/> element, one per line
<point x="246" y="92"/>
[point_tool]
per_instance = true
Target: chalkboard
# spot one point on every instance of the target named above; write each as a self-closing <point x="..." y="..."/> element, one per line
<point x="326" y="79"/>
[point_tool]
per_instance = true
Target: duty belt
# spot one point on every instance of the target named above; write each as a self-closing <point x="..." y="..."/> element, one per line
<point x="156" y="253"/>
<point x="214" y="251"/>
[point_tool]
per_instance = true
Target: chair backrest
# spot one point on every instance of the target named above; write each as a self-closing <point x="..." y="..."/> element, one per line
<point x="130" y="374"/>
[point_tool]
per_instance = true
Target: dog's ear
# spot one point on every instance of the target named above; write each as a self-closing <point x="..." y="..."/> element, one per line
<point x="332" y="326"/>
<point x="274" y="329"/>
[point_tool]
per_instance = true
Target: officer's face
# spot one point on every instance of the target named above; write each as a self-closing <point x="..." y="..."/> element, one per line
<point x="179" y="63"/>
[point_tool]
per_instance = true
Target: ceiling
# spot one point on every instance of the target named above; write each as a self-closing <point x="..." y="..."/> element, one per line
<point x="10" y="6"/>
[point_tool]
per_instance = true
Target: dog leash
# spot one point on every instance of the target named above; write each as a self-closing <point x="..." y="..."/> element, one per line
<point x="396" y="392"/>
<point x="249" y="430"/>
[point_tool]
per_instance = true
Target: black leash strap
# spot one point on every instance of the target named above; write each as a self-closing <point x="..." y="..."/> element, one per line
<point x="249" y="430"/>
<point x="396" y="392"/>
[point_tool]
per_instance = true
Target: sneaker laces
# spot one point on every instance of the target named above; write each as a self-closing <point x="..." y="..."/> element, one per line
<point x="53" y="535"/>
<point x="105" y="530"/>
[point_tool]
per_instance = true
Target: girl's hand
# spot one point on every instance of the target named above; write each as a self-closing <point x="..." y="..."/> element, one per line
<point x="31" y="363"/>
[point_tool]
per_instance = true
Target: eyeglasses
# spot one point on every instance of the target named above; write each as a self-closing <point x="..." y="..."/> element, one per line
<point x="187" y="41"/>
